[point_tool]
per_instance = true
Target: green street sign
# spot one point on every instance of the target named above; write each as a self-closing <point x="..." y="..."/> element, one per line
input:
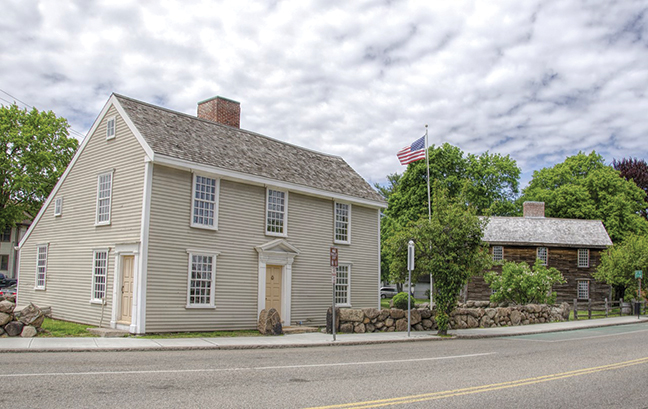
<point x="638" y="274"/>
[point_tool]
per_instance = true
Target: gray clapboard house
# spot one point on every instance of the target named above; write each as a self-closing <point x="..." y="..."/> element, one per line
<point x="169" y="222"/>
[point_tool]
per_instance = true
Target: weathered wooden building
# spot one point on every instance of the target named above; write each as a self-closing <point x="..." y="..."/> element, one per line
<point x="572" y="246"/>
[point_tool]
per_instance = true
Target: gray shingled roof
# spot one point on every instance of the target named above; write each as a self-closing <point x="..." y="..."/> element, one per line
<point x="189" y="138"/>
<point x="534" y="231"/>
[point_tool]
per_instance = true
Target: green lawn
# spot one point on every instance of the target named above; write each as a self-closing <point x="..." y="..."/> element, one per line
<point x="384" y="302"/>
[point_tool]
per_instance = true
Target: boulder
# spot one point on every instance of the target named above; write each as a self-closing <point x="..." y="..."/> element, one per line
<point x="351" y="315"/>
<point x="371" y="313"/>
<point x="471" y="322"/>
<point x="31" y="315"/>
<point x="7" y="306"/>
<point x="427" y="324"/>
<point x="401" y="324"/>
<point x="425" y="313"/>
<point x="516" y="317"/>
<point x="370" y="327"/>
<point x="270" y="322"/>
<point x="5" y="318"/>
<point x="389" y="322"/>
<point x="14" y="328"/>
<point x="397" y="313"/>
<point x="28" y="331"/>
<point x="379" y="324"/>
<point x="359" y="328"/>
<point x="384" y="314"/>
<point x="415" y="317"/>
<point x="347" y="328"/>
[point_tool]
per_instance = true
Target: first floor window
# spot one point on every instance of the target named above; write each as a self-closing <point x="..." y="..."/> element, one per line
<point x="583" y="290"/>
<point x="41" y="266"/>
<point x="4" y="262"/>
<point x="99" y="275"/>
<point x="543" y="255"/>
<point x="342" y="284"/>
<point x="276" y="213"/>
<point x="583" y="257"/>
<point x="205" y="202"/>
<point x="498" y="253"/>
<point x="342" y="217"/>
<point x="202" y="280"/>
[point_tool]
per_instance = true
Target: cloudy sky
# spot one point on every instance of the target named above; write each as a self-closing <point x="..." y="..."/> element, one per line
<point x="538" y="80"/>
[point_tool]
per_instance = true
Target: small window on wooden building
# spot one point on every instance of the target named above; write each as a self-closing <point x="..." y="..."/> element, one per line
<point x="583" y="290"/>
<point x="498" y="253"/>
<point x="543" y="255"/>
<point x="583" y="257"/>
<point x="110" y="128"/>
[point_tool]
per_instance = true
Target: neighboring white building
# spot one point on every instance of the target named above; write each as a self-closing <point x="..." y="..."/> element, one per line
<point x="9" y="239"/>
<point x="168" y="222"/>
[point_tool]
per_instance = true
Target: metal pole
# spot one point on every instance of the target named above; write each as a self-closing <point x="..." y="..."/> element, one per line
<point x="333" y="308"/>
<point x="409" y="304"/>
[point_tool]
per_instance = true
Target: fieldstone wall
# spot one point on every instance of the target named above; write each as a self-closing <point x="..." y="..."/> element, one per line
<point x="24" y="322"/>
<point x="472" y="314"/>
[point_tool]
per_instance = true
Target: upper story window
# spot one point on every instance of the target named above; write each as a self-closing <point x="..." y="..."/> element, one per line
<point x="543" y="255"/>
<point x="498" y="253"/>
<point x="276" y="212"/>
<point x="99" y="275"/>
<point x="110" y="128"/>
<point x="104" y="198"/>
<point x="342" y="223"/>
<point x="202" y="279"/>
<point x="58" y="206"/>
<point x="6" y="235"/>
<point x="41" y="266"/>
<point x="204" y="206"/>
<point x="343" y="284"/>
<point x="583" y="257"/>
<point x="4" y="262"/>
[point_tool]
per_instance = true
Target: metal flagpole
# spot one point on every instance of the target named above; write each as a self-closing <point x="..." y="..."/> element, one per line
<point x="427" y="162"/>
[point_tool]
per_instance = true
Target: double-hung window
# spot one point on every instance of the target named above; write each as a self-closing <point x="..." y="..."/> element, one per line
<point x="583" y="290"/>
<point x="104" y="198"/>
<point x="498" y="253"/>
<point x="342" y="223"/>
<point x="276" y="212"/>
<point x="202" y="279"/>
<point x="58" y="206"/>
<point x="583" y="257"/>
<point x="99" y="275"/>
<point x="110" y="128"/>
<point x="204" y="206"/>
<point x="343" y="284"/>
<point x="543" y="255"/>
<point x="41" y="266"/>
<point x="6" y="235"/>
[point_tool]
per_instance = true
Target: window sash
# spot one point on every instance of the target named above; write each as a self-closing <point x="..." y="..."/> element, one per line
<point x="543" y="255"/>
<point x="583" y="257"/>
<point x="99" y="275"/>
<point x="202" y="280"/>
<point x="110" y="128"/>
<point x="498" y="253"/>
<point x="204" y="204"/>
<point x="104" y="196"/>
<point x="41" y="267"/>
<point x="342" y="218"/>
<point x="58" y="206"/>
<point x="343" y="284"/>
<point x="276" y="212"/>
<point x="583" y="290"/>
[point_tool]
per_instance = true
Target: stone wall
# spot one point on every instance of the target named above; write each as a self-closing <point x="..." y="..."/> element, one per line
<point x="24" y="322"/>
<point x="472" y="314"/>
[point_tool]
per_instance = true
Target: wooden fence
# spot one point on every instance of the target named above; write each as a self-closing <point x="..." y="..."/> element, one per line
<point x="600" y="309"/>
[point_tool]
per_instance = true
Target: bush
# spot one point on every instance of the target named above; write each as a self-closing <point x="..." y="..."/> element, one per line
<point x="400" y="301"/>
<point x="522" y="284"/>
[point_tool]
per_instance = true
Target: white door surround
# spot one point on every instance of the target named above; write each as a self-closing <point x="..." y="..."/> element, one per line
<point x="127" y="249"/>
<point x="277" y="253"/>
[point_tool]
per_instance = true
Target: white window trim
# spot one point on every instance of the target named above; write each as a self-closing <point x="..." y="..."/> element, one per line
<point x="214" y="255"/>
<point x="335" y="240"/>
<point x="578" y="258"/>
<point x="349" y="268"/>
<point x="285" y="213"/>
<point x="193" y="202"/>
<point x="544" y="262"/>
<point x="110" y="136"/>
<point x="93" y="299"/>
<point x="58" y="206"/>
<point x="38" y="250"/>
<point x="502" y="253"/>
<point x="578" y="282"/>
<point x="112" y="182"/>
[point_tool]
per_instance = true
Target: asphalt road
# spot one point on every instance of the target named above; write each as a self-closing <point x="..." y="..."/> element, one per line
<point x="606" y="367"/>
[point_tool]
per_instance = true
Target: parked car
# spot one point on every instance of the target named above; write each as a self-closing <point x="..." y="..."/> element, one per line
<point x="8" y="291"/>
<point x="387" y="292"/>
<point x="6" y="281"/>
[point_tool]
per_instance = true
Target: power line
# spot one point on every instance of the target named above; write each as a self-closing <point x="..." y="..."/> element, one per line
<point x="16" y="98"/>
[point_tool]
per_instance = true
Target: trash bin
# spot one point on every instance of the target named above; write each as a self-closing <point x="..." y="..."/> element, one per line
<point x="637" y="308"/>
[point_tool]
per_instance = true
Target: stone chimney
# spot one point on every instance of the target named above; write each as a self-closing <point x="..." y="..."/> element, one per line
<point x="534" y="209"/>
<point x="221" y="110"/>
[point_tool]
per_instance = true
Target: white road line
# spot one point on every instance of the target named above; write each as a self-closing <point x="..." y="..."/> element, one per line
<point x="579" y="338"/>
<point x="261" y="368"/>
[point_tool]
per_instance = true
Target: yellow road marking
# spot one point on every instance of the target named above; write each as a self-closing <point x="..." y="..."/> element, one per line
<point x="485" y="388"/>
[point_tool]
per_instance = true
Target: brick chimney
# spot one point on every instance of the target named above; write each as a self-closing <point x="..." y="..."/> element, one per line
<point x="533" y="209"/>
<point x="221" y="110"/>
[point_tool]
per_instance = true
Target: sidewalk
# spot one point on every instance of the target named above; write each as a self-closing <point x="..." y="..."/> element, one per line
<point x="290" y="341"/>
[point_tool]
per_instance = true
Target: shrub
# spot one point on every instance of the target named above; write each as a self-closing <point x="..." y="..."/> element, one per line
<point x="522" y="284"/>
<point x="400" y="301"/>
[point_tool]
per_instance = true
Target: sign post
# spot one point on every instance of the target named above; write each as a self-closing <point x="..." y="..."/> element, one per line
<point x="334" y="264"/>
<point x="410" y="267"/>
<point x="639" y="276"/>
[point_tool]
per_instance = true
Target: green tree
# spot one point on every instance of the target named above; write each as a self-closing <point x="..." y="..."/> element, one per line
<point x="36" y="150"/>
<point x="583" y="187"/>
<point x="619" y="262"/>
<point x="449" y="246"/>
<point x="522" y="284"/>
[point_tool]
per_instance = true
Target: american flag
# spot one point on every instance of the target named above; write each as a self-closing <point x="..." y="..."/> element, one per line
<point x="412" y="153"/>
